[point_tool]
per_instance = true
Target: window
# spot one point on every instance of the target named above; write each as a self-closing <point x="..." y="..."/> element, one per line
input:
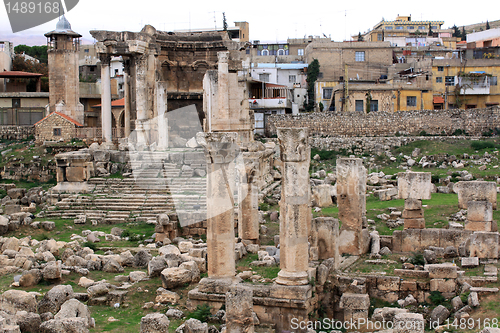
<point x="399" y="28"/>
<point x="292" y="78"/>
<point x="248" y="51"/>
<point x="379" y="37"/>
<point x="440" y="68"/>
<point x="265" y="52"/>
<point x="359" y="105"/>
<point x="16" y="103"/>
<point x="300" y="52"/>
<point x="434" y="27"/>
<point x="421" y="27"/>
<point x="411" y="100"/>
<point x="92" y="69"/>
<point x="281" y="52"/>
<point x="264" y="77"/>
<point x="374" y="105"/>
<point x="410" y="27"/>
<point x="449" y="81"/>
<point x="86" y="50"/>
<point x="388" y="28"/>
<point x="320" y="75"/>
<point x="327" y="93"/>
<point x="439" y="79"/>
<point x="360" y="56"/>
<point x="493" y="81"/>
<point x="57" y="131"/>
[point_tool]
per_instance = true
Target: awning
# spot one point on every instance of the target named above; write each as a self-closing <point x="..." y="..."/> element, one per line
<point x="438" y="100"/>
<point x="491" y="103"/>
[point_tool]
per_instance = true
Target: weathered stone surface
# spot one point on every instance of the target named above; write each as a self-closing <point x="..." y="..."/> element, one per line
<point x="476" y="191"/>
<point x="409" y="323"/>
<point x="154" y="323"/>
<point x="28" y="321"/>
<point x="479" y="211"/>
<point x="414" y="185"/>
<point x="195" y="326"/>
<point x="12" y="301"/>
<point x="439" y="315"/>
<point x="484" y="245"/>
<point x="239" y="309"/>
<point x="442" y="271"/>
<point x="141" y="259"/>
<point x="73" y="308"/>
<point x="175" y="277"/>
<point x="112" y="266"/>
<point x="54" y="298"/>
<point x="167" y="297"/>
<point x="30" y="278"/>
<point x="73" y="325"/>
<point x="52" y="271"/>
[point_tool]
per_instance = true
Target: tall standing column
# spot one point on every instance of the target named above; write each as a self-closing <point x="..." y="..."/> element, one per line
<point x="141" y="98"/>
<point x="351" y="200"/>
<point x="106" y="121"/>
<point x="220" y="152"/>
<point x="295" y="213"/>
<point x="248" y="209"/>
<point x="126" y="88"/>
<point x="223" y="85"/>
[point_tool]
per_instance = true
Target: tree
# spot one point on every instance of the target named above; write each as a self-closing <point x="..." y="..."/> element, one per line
<point x="37" y="52"/>
<point x="30" y="66"/>
<point x="360" y="38"/>
<point x="464" y="34"/>
<point x="456" y="32"/>
<point x="430" y="33"/>
<point x="487" y="25"/>
<point x="224" y="22"/>
<point x="312" y="76"/>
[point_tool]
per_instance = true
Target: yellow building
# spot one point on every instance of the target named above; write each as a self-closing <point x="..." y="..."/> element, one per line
<point x="403" y="26"/>
<point x="465" y="85"/>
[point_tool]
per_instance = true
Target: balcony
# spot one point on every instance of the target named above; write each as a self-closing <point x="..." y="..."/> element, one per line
<point x="474" y="85"/>
<point x="270" y="96"/>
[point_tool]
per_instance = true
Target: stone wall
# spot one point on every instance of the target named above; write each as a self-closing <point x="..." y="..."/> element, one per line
<point x="16" y="132"/>
<point x="45" y="129"/>
<point x="473" y="121"/>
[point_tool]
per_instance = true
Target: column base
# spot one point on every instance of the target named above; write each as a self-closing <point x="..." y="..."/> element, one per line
<point x="292" y="278"/>
<point x="214" y="285"/>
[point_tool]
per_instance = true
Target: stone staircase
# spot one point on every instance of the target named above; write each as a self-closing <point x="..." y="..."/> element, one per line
<point x="134" y="199"/>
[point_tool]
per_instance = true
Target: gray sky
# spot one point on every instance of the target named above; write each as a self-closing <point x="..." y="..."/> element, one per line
<point x="269" y="20"/>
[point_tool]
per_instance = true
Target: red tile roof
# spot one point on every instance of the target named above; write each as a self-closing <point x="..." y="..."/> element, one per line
<point x="117" y="103"/>
<point x="64" y="116"/>
<point x="14" y="74"/>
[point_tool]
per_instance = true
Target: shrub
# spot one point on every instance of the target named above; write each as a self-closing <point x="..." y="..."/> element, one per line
<point x="459" y="131"/>
<point x="264" y="206"/>
<point x="422" y="133"/>
<point x="417" y="258"/>
<point x="435" y="179"/>
<point x="202" y="313"/>
<point x="90" y="245"/>
<point x="478" y="145"/>
<point x="437" y="298"/>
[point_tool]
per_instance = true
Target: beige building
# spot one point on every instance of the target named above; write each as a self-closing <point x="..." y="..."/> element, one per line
<point x="339" y="61"/>
<point x="6" y="56"/>
<point x="403" y="26"/>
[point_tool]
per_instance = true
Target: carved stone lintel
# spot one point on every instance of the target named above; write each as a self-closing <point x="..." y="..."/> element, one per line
<point x="294" y="143"/>
<point x="220" y="147"/>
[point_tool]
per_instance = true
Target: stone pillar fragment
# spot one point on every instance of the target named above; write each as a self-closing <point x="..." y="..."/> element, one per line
<point x="106" y="121"/>
<point x="126" y="88"/>
<point x="248" y="209"/>
<point x="484" y="245"/>
<point x="239" y="310"/>
<point x="409" y="323"/>
<point x="325" y="237"/>
<point x="351" y="200"/>
<point x="414" y="187"/>
<point x="220" y="152"/>
<point x="355" y="306"/>
<point x="295" y="213"/>
<point x="479" y="216"/>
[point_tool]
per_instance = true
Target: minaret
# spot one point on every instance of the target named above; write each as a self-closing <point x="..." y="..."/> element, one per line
<point x="64" y="83"/>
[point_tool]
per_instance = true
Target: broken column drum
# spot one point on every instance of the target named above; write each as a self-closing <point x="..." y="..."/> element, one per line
<point x="351" y="200"/>
<point x="414" y="187"/>
<point x="248" y="194"/>
<point x="295" y="213"/>
<point x="220" y="151"/>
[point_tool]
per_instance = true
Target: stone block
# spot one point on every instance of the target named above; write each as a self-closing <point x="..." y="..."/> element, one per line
<point x="388" y="283"/>
<point x="408" y="323"/>
<point x="418" y="223"/>
<point x="408" y="285"/>
<point x="413" y="214"/>
<point x="442" y="271"/>
<point x="411" y="240"/>
<point x="429" y="237"/>
<point x="414" y="185"/>
<point x="479" y="226"/>
<point x="397" y="241"/>
<point x="355" y="301"/>
<point x="470" y="262"/>
<point x="413" y="204"/>
<point x="443" y="286"/>
<point x="76" y="174"/>
<point x="479" y="211"/>
<point x="484" y="245"/>
<point x="476" y="191"/>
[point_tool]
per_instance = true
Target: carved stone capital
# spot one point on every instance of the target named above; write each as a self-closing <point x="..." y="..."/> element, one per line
<point x="294" y="144"/>
<point x="220" y="147"/>
<point x="105" y="59"/>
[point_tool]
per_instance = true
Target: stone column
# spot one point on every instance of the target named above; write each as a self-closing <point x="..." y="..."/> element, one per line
<point x="106" y="121"/>
<point x="239" y="310"/>
<point x="351" y="200"/>
<point x="248" y="208"/>
<point x="295" y="212"/>
<point x="223" y="85"/>
<point x="126" y="88"/>
<point x="161" y="123"/>
<point x="220" y="152"/>
<point x="141" y="98"/>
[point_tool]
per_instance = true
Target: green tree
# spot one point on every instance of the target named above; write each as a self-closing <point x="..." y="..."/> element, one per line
<point x="430" y="33"/>
<point x="312" y="76"/>
<point x="464" y="34"/>
<point x="30" y="66"/>
<point x="487" y="25"/>
<point x="37" y="52"/>
<point x="360" y="38"/>
<point x="456" y="32"/>
<point x="224" y="21"/>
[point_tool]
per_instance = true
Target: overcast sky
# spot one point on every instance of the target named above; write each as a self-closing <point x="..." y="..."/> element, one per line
<point x="269" y="20"/>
